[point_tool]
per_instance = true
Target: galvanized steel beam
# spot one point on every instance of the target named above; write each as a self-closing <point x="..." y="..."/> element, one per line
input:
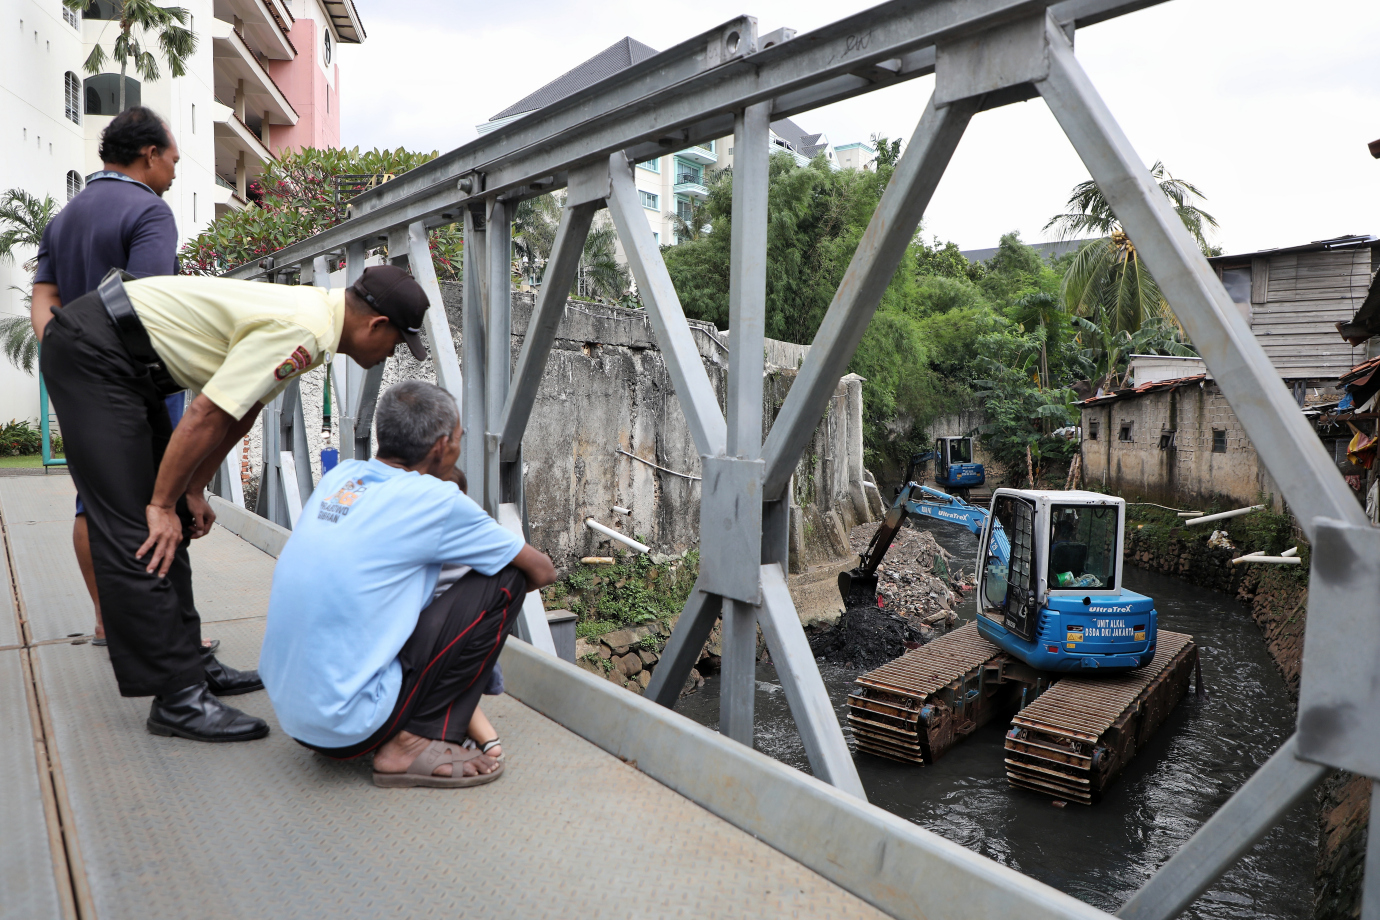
<point x="679" y="98"/>
<point x="747" y="310"/>
<point x="472" y="342"/>
<point x="1286" y="442"/>
<point x="541" y="329"/>
<point x="811" y="708"/>
<point x="443" y="358"/>
<point x="1229" y="834"/>
<point x="683" y="648"/>
<point x="682" y="356"/>
<point x="498" y="338"/>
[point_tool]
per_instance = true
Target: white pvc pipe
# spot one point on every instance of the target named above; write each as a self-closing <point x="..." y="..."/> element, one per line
<point x="1291" y="551"/>
<point x="1283" y="560"/>
<point x="1225" y="514"/>
<point x="613" y="534"/>
<point x="1189" y="514"/>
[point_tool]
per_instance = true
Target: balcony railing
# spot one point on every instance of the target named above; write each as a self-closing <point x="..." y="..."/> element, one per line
<point x="704" y="154"/>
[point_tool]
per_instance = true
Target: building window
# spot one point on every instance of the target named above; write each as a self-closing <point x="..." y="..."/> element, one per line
<point x="74" y="183"/>
<point x="72" y="93"/>
<point x="650" y="200"/>
<point x="193" y="207"/>
<point x="326" y="46"/>
<point x="103" y="93"/>
<point x="1127" y="430"/>
<point x="656" y="237"/>
<point x="101" y="9"/>
<point x="328" y="100"/>
<point x="72" y="17"/>
<point x="651" y="165"/>
<point x="1167" y="438"/>
<point x="193" y="117"/>
<point x="1092" y="429"/>
<point x="684" y="210"/>
<point x="1219" y="441"/>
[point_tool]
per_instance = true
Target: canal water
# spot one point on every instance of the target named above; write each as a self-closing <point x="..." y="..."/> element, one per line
<point x="1102" y="853"/>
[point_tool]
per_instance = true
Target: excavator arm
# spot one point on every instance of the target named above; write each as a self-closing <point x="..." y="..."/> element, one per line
<point x="859" y="585"/>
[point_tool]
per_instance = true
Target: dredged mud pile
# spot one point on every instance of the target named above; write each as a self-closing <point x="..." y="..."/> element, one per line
<point x="917" y="589"/>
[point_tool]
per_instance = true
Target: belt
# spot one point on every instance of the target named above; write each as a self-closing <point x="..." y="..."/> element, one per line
<point x="131" y="330"/>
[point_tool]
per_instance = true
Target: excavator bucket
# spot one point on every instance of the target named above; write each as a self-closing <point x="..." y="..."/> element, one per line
<point x="858" y="588"/>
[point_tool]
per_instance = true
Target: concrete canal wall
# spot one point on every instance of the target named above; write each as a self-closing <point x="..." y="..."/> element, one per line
<point x="607" y="431"/>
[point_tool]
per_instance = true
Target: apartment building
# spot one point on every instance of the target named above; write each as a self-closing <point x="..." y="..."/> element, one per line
<point x="263" y="79"/>
<point x="672" y="184"/>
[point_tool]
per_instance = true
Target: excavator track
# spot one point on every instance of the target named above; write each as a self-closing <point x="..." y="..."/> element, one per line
<point x="1078" y="735"/>
<point x="914" y="708"/>
<point x="1075" y="737"/>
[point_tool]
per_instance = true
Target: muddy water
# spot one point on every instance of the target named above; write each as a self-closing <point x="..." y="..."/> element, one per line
<point x="1100" y="854"/>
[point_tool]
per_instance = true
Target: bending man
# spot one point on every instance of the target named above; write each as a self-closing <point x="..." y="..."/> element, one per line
<point x="357" y="657"/>
<point x="109" y="358"/>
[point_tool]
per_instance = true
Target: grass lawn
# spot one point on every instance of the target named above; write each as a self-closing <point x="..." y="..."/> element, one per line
<point x="25" y="462"/>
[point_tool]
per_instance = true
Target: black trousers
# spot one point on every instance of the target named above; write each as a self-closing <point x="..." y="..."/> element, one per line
<point x="447" y="661"/>
<point x="115" y="429"/>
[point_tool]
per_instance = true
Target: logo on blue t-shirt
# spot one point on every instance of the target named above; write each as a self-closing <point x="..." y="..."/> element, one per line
<point x="335" y="507"/>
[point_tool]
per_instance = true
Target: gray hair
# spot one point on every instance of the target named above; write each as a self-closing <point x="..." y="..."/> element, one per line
<point x="410" y="417"/>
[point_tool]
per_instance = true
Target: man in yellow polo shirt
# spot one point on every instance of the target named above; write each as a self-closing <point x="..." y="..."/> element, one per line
<point x="108" y="358"/>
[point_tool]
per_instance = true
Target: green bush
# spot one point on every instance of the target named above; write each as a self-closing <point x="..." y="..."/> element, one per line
<point x="634" y="591"/>
<point x="18" y="438"/>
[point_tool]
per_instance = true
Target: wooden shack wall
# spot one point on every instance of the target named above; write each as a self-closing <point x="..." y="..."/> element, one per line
<point x="1306" y="295"/>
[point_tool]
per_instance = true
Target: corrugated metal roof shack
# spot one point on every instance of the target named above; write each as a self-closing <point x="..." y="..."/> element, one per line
<point x="1294" y="298"/>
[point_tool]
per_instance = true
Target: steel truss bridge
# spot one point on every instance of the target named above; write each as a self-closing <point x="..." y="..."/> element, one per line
<point x="984" y="54"/>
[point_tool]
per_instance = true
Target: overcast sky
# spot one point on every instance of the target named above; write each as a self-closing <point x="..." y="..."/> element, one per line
<point x="1265" y="105"/>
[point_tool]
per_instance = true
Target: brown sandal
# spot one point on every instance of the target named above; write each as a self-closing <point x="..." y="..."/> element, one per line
<point x="422" y="771"/>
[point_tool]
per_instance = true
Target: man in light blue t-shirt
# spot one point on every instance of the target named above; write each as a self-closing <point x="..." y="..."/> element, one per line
<point x="357" y="658"/>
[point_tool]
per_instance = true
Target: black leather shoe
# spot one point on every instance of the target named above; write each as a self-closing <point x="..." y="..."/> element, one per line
<point x="194" y="713"/>
<point x="225" y="681"/>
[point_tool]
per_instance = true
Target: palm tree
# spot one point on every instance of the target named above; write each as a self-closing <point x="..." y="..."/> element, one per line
<point x="145" y="17"/>
<point x="600" y="272"/>
<point x="534" y="234"/>
<point x="22" y="219"/>
<point x="1106" y="276"/>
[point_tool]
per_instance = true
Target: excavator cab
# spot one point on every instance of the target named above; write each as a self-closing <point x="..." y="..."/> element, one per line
<point x="954" y="468"/>
<point x="1049" y="582"/>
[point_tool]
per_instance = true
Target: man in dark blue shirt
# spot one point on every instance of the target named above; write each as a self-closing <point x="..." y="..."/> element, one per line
<point x="118" y="221"/>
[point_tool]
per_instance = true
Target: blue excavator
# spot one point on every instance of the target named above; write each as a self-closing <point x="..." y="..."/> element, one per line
<point x="954" y="467"/>
<point x="1049" y="588"/>
<point x="1059" y="641"/>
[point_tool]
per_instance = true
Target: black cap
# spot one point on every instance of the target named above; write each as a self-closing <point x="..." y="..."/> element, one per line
<point x="393" y="293"/>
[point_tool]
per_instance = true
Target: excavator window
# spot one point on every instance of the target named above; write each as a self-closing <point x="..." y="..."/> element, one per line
<point x="961" y="450"/>
<point x="1082" y="546"/>
<point x="1010" y="587"/>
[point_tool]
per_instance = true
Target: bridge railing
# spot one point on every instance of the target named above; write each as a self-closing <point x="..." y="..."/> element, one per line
<point x="984" y="54"/>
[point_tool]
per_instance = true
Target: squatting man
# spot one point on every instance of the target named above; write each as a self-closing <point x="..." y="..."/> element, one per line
<point x="362" y="653"/>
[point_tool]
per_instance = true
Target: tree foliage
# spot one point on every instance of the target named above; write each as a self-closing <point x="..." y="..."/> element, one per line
<point x="300" y="195"/>
<point x="23" y="218"/>
<point x="1106" y="281"/>
<point x="137" y="21"/>
<point x="600" y="274"/>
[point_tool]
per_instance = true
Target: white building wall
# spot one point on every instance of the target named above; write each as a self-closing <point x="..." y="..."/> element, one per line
<point x="38" y="146"/>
